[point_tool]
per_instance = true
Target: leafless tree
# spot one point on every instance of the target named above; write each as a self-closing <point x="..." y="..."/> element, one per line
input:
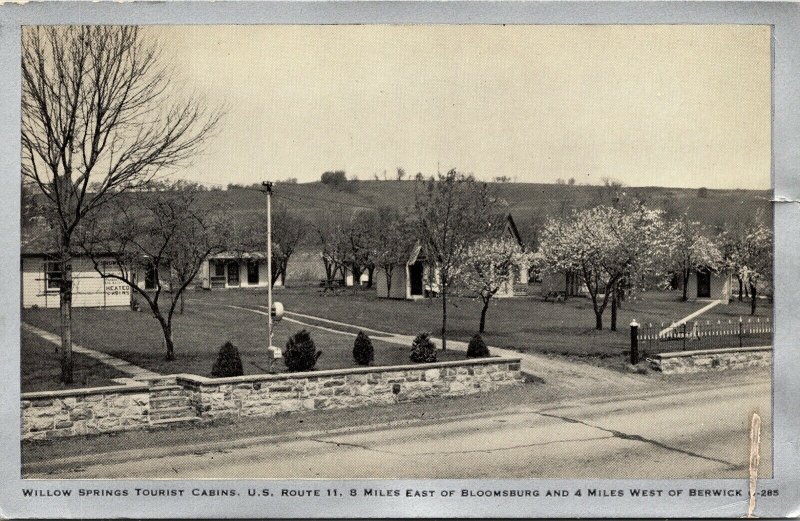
<point x="98" y="120"/>
<point x="163" y="233"/>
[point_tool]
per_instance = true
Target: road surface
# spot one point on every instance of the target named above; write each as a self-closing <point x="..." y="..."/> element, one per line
<point x="661" y="433"/>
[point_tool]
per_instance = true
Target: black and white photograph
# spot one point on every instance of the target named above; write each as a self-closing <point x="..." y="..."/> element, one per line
<point x="323" y="252"/>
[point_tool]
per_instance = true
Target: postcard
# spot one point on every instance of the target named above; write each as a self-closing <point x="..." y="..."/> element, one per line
<point x="432" y="259"/>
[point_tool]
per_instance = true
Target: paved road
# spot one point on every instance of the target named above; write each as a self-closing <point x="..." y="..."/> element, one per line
<point x="688" y="433"/>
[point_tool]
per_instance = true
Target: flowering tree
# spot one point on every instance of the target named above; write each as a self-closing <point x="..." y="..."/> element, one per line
<point x="606" y="246"/>
<point x="489" y="266"/>
<point x="756" y="259"/>
<point x="690" y="248"/>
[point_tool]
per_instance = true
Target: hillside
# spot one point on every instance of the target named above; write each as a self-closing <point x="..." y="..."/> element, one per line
<point x="529" y="203"/>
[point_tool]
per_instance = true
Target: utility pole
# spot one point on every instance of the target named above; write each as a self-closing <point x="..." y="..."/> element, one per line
<point x="275" y="352"/>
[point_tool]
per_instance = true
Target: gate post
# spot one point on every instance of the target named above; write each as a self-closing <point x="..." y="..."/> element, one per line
<point x="634" y="342"/>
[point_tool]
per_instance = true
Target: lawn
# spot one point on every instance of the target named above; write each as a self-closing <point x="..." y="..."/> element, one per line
<point x="521" y="323"/>
<point x="199" y="333"/>
<point x="41" y="369"/>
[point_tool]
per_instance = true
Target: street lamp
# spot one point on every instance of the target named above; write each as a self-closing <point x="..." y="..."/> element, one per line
<point x="277" y="309"/>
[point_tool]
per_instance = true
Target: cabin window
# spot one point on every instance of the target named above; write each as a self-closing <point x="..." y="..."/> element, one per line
<point x="219" y="269"/>
<point x="52" y="276"/>
<point x="252" y="272"/>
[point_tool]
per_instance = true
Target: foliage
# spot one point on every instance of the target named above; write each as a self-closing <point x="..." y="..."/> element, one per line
<point x="477" y="347"/>
<point x="363" y="352"/>
<point x="300" y="353"/>
<point x="452" y="211"/>
<point x="489" y="266"/>
<point x="605" y="245"/>
<point x="422" y="349"/>
<point x="228" y="362"/>
<point x="335" y="179"/>
<point x="391" y="242"/>
<point x="690" y="248"/>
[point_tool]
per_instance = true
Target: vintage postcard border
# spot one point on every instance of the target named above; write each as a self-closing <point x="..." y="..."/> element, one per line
<point x="783" y="17"/>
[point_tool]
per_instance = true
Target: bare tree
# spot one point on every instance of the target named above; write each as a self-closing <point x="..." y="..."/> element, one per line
<point x="391" y="242"/>
<point x="453" y="211"/>
<point x="96" y="112"/>
<point x="163" y="233"/>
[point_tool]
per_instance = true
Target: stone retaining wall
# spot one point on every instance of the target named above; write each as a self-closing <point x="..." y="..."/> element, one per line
<point x="268" y="395"/>
<point x="76" y="412"/>
<point x="711" y="360"/>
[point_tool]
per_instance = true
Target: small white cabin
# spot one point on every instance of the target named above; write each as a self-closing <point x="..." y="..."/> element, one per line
<point x="41" y="278"/>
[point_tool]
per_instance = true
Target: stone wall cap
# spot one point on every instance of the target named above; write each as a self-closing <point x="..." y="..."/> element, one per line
<point x="706" y="352"/>
<point x="192" y="378"/>
<point x="84" y="391"/>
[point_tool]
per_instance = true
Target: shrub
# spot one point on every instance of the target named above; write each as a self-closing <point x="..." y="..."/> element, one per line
<point x="422" y="349"/>
<point x="228" y="363"/>
<point x="477" y="347"/>
<point x="363" y="353"/>
<point x="300" y="354"/>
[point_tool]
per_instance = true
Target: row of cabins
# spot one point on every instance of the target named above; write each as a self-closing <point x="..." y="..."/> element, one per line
<point x="413" y="279"/>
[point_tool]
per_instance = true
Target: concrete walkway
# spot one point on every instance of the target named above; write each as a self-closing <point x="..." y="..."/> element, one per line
<point x="688" y="317"/>
<point x="134" y="371"/>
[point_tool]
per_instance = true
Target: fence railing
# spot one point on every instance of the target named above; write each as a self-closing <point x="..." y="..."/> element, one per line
<point x="652" y="338"/>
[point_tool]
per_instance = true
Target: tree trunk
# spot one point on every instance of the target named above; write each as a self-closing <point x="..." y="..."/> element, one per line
<point x="483" y="316"/>
<point x="169" y="344"/>
<point x="443" y="291"/>
<point x="370" y="274"/>
<point x="741" y="288"/>
<point x="614" y="308"/>
<point x="65" y="309"/>
<point x="598" y="323"/>
<point x="182" y="304"/>
<point x="388" y="282"/>
<point x="685" y="277"/>
<point x="283" y="276"/>
<point x="752" y="299"/>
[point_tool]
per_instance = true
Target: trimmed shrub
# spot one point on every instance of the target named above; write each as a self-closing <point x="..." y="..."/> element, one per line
<point x="363" y="353"/>
<point x="477" y="347"/>
<point x="422" y="349"/>
<point x="300" y="354"/>
<point x="228" y="363"/>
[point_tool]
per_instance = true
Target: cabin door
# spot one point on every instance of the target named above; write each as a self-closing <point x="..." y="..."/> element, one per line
<point x="703" y="284"/>
<point x="416" y="272"/>
<point x="233" y="274"/>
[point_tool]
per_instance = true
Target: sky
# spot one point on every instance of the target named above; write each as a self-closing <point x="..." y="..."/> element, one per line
<point x="683" y="106"/>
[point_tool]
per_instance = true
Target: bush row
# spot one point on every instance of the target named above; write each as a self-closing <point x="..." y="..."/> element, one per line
<point x="300" y="353"/>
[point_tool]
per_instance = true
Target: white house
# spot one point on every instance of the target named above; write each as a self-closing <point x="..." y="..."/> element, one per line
<point x="235" y="270"/>
<point x="708" y="284"/>
<point x="416" y="277"/>
<point x="41" y="278"/>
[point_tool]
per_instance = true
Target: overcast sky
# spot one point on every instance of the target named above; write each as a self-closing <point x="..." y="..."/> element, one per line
<point x="647" y="105"/>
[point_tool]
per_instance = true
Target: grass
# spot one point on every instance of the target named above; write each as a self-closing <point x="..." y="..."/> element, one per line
<point x="522" y="323"/>
<point x="198" y="333"/>
<point x="41" y="369"/>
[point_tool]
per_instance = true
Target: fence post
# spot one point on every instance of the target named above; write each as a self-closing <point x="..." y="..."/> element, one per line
<point x="684" y="336"/>
<point x="634" y="342"/>
<point x="741" y="325"/>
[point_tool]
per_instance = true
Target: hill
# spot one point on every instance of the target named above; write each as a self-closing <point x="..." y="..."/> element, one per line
<point x="529" y="203"/>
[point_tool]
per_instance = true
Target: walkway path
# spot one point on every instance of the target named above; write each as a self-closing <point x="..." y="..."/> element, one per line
<point x="688" y="317"/>
<point x="134" y="371"/>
